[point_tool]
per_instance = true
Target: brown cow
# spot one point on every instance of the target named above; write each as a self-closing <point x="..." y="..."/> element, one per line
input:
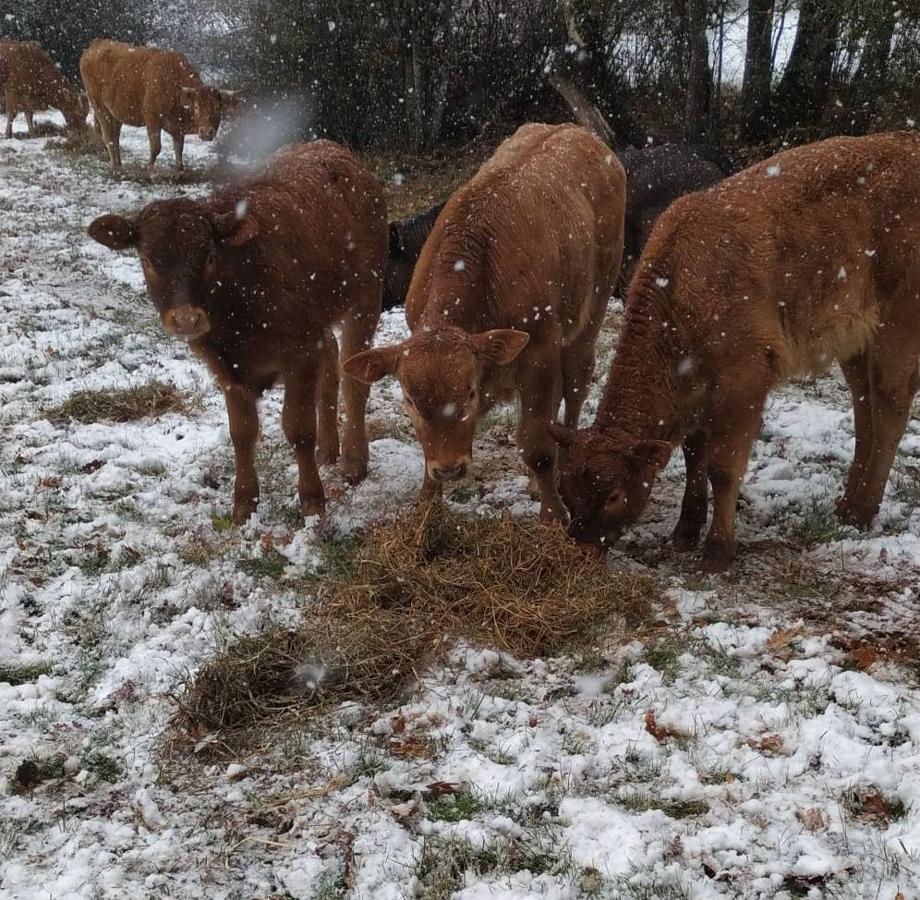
<point x="254" y="277"/>
<point x="810" y="256"/>
<point x="518" y="269"/>
<point x="143" y="86"/>
<point x="33" y="83"/>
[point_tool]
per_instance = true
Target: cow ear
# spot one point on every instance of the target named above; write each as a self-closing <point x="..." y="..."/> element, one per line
<point x="187" y="96"/>
<point x="235" y="228"/>
<point x="652" y="453"/>
<point x="115" y="232"/>
<point x="563" y="436"/>
<point x="372" y="365"/>
<point x="501" y="345"/>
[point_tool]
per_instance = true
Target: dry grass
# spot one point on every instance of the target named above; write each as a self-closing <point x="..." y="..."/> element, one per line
<point x="415" y="586"/>
<point x="414" y="184"/>
<point x="126" y="405"/>
<point x="80" y="142"/>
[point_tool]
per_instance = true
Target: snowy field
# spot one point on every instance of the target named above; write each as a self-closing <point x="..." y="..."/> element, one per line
<point x="762" y="741"/>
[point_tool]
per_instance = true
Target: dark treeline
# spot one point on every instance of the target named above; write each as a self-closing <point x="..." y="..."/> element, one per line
<point x="418" y="74"/>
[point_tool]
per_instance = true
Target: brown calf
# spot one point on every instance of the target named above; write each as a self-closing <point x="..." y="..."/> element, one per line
<point x="810" y="256"/>
<point x="254" y="277"/>
<point x="143" y="86"/>
<point x="33" y="83"/>
<point x="518" y="269"/>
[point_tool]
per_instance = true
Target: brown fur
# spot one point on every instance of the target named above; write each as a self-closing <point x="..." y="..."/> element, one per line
<point x="33" y="83"/>
<point x="156" y="89"/>
<point x="810" y="256"/>
<point x="518" y="269"/>
<point x="255" y="276"/>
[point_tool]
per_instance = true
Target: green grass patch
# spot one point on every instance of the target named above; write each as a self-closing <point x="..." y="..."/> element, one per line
<point x="455" y="807"/>
<point x="269" y="565"/>
<point x="14" y="675"/>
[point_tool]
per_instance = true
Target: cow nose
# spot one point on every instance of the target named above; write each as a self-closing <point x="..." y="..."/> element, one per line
<point x="448" y="473"/>
<point x="186" y="321"/>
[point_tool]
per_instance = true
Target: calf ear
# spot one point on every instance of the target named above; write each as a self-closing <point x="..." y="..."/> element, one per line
<point x="115" y="232"/>
<point x="235" y="229"/>
<point x="501" y="345"/>
<point x="563" y="436"/>
<point x="652" y="453"/>
<point x="372" y="365"/>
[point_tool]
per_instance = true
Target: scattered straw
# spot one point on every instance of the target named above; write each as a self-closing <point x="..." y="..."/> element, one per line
<point x="152" y="399"/>
<point x="416" y="585"/>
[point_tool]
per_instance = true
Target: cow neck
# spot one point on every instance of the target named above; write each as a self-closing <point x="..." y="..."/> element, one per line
<point x="643" y="397"/>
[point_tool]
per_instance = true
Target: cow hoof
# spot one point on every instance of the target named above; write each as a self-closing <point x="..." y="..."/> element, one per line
<point x="354" y="470"/>
<point x="851" y="513"/>
<point x="685" y="538"/>
<point x="243" y="510"/>
<point x="312" y="506"/>
<point x="326" y="456"/>
<point x="717" y="557"/>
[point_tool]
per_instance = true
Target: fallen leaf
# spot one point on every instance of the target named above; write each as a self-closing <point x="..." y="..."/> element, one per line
<point x="771" y="744"/>
<point x="813" y="819"/>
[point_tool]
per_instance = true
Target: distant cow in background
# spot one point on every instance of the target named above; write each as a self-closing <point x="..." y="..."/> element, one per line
<point x="254" y="277"/>
<point x="32" y="82"/>
<point x="143" y="86"/>
<point x="407" y="237"/>
<point x="508" y="298"/>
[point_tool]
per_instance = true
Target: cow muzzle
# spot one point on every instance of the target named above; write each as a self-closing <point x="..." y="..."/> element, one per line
<point x="207" y="134"/>
<point x="186" y="322"/>
<point x="453" y="471"/>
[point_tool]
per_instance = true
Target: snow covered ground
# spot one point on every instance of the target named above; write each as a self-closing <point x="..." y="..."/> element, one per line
<point x="763" y="741"/>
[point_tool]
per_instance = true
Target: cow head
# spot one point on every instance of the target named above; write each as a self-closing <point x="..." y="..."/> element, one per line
<point x="74" y="105"/>
<point x="180" y="243"/>
<point x="203" y="105"/>
<point x="605" y="480"/>
<point x="441" y="374"/>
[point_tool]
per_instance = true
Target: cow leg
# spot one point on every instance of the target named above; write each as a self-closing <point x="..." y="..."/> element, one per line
<point x="10" y="112"/>
<point x="695" y="505"/>
<point x="30" y="123"/>
<point x="244" y="432"/>
<point x="539" y="387"/>
<point x="178" y="140"/>
<point x="358" y="329"/>
<point x="327" y="430"/>
<point x="298" y="421"/>
<point x="153" y="136"/>
<point x="116" y="142"/>
<point x="735" y="423"/>
<point x="894" y="380"/>
<point x="856" y="372"/>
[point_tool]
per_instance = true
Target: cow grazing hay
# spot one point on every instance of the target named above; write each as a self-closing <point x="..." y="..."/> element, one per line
<point x="415" y="586"/>
<point x="122" y="405"/>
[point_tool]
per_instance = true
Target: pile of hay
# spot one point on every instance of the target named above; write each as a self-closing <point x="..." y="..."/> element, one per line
<point x="119" y="405"/>
<point x="415" y="586"/>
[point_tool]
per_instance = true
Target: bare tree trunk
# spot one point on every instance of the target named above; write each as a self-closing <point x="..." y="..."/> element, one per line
<point x="873" y="67"/>
<point x="583" y="110"/>
<point x="699" y="80"/>
<point x="803" y="92"/>
<point x="758" y="70"/>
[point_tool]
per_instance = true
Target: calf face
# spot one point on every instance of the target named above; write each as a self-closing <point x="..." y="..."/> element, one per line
<point x="204" y="104"/>
<point x="605" y="481"/>
<point x="179" y="243"/>
<point x="441" y="375"/>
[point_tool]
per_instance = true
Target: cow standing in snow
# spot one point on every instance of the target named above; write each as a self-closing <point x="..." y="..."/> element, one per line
<point x="810" y="256"/>
<point x="509" y="295"/>
<point x="144" y="86"/>
<point x="254" y="277"/>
